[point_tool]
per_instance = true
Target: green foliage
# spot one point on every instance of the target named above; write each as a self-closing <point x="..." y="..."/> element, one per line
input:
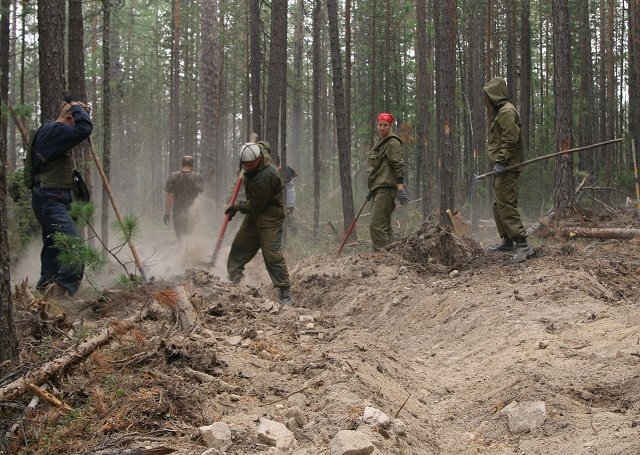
<point x="21" y="222"/>
<point x="75" y="253"/>
<point x="126" y="282"/>
<point x="82" y="214"/>
<point x="128" y="229"/>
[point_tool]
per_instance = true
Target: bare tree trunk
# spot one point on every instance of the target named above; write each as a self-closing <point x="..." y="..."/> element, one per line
<point x="174" y="87"/>
<point x="525" y="73"/>
<point x="564" y="184"/>
<point x="511" y="50"/>
<point x="634" y="72"/>
<point x="587" y="130"/>
<point x="8" y="338"/>
<point x="77" y="83"/>
<point x="446" y="90"/>
<point x="4" y="79"/>
<point x="210" y="80"/>
<point x="344" y="153"/>
<point x="51" y="26"/>
<point x="296" y="101"/>
<point x="423" y="120"/>
<point x="277" y="68"/>
<point x="255" y="65"/>
<point x="106" y="114"/>
<point x="478" y="117"/>
<point x="317" y="66"/>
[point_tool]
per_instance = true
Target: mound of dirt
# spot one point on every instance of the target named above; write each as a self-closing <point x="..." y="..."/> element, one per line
<point x="541" y="357"/>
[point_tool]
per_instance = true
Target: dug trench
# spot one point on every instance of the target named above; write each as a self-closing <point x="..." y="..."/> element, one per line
<point x="461" y="351"/>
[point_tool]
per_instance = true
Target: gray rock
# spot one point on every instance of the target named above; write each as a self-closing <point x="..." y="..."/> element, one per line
<point x="217" y="435"/>
<point x="296" y="413"/>
<point x="275" y="434"/>
<point x="373" y="416"/>
<point x="298" y="399"/>
<point x="349" y="442"/>
<point x="524" y="417"/>
<point x="233" y="341"/>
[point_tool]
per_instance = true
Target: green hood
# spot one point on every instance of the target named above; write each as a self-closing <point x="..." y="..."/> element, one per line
<point x="496" y="90"/>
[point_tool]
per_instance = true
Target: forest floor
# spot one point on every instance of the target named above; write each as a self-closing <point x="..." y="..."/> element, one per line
<point x="462" y="351"/>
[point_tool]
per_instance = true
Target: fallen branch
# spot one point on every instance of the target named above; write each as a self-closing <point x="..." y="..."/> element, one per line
<point x="50" y="369"/>
<point x="186" y="313"/>
<point x="596" y="233"/>
<point x="51" y="398"/>
<point x="30" y="407"/>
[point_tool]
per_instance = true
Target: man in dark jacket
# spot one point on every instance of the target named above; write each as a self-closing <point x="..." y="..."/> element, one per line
<point x="505" y="149"/>
<point x="52" y="164"/>
<point x="181" y="189"/>
<point x="262" y="225"/>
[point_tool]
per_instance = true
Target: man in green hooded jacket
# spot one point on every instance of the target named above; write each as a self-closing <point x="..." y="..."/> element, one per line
<point x="505" y="149"/>
<point x="262" y="225"/>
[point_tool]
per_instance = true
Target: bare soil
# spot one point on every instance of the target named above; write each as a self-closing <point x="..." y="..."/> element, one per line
<point x="434" y="332"/>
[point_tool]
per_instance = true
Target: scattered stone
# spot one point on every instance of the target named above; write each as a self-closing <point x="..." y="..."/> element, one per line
<point x="217" y="435"/>
<point x="234" y="397"/>
<point x="524" y="417"/>
<point x="350" y="442"/>
<point x="306" y="318"/>
<point x="292" y="424"/>
<point x="309" y="325"/>
<point x="298" y="415"/>
<point x="233" y="341"/>
<point x="305" y="338"/>
<point x="542" y="344"/>
<point x="398" y="427"/>
<point x="373" y="416"/>
<point x="275" y="434"/>
<point x="395" y="301"/>
<point x="298" y="399"/>
<point x="266" y="355"/>
<point x="212" y="452"/>
<point x="402" y="270"/>
<point x="454" y="273"/>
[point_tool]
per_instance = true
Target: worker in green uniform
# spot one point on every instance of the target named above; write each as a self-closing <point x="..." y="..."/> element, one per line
<point x="505" y="149"/>
<point x="385" y="171"/>
<point x="262" y="225"/>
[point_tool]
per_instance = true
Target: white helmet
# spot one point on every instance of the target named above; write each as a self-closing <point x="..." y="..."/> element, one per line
<point x="250" y="152"/>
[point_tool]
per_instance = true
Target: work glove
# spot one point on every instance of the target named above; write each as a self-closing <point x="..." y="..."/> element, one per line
<point x="165" y="219"/>
<point x="499" y="169"/>
<point x="368" y="195"/>
<point x="231" y="211"/>
<point x="403" y="196"/>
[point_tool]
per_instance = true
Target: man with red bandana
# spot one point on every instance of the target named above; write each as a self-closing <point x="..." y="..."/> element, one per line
<point x="385" y="171"/>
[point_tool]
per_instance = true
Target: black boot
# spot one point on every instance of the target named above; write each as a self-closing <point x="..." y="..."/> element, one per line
<point x="523" y="251"/>
<point x="285" y="297"/>
<point x="506" y="245"/>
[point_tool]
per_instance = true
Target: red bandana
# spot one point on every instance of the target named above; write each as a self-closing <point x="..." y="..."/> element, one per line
<point x="385" y="117"/>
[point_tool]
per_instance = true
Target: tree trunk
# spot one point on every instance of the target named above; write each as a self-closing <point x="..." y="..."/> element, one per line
<point x="344" y="154"/>
<point x="596" y="233"/>
<point x="511" y="50"/>
<point x="476" y="95"/>
<point x="316" y="101"/>
<point x="564" y="184"/>
<point x="106" y="115"/>
<point x="174" y="87"/>
<point x="446" y="91"/>
<point x="296" y="94"/>
<point x="210" y="80"/>
<point x="525" y="73"/>
<point x="255" y="65"/>
<point x="51" y="26"/>
<point x="77" y="83"/>
<point x="8" y="339"/>
<point x="586" y="129"/>
<point x="423" y="119"/>
<point x="4" y="79"/>
<point x="277" y="67"/>
<point x="634" y="71"/>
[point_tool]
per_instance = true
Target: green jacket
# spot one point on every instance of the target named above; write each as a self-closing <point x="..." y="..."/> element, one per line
<point x="265" y="198"/>
<point x="505" y="140"/>
<point x="385" y="165"/>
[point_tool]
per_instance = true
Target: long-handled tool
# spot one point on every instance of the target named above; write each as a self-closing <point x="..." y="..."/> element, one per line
<point x="107" y="187"/>
<point x="351" y="226"/>
<point x="540" y="158"/>
<point x="552" y="155"/>
<point x="227" y="218"/>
